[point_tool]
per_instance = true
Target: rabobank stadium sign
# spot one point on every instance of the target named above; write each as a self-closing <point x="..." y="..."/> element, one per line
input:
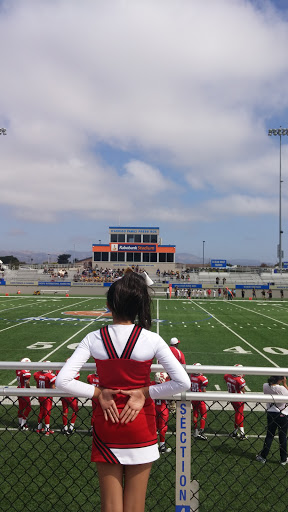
<point x="133" y="247"/>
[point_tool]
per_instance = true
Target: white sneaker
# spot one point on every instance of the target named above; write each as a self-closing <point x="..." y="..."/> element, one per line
<point x="261" y="459"/>
<point x="164" y="449"/>
<point x="283" y="463"/>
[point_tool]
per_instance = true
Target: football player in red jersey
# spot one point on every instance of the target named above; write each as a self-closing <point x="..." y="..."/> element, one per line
<point x="198" y="385"/>
<point x="93" y="379"/>
<point x="236" y="384"/>
<point x="45" y="380"/>
<point x="162" y="413"/>
<point x="24" y="409"/>
<point x="72" y="402"/>
<point x="177" y="353"/>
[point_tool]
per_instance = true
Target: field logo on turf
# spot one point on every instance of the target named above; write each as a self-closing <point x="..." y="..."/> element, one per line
<point x="96" y="312"/>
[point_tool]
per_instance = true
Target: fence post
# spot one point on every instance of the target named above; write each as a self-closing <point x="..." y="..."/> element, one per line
<point x="183" y="456"/>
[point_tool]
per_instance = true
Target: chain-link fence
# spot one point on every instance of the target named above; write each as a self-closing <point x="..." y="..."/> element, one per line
<point x="53" y="470"/>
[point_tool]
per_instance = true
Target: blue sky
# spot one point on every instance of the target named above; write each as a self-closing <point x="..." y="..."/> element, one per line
<point x="146" y="113"/>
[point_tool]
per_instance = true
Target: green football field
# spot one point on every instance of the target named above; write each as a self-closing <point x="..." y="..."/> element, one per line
<point x="217" y="332"/>
<point x="56" y="470"/>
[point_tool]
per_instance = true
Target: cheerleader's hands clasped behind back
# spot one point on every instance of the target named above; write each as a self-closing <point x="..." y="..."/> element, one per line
<point x="134" y="404"/>
<point x="108" y="405"/>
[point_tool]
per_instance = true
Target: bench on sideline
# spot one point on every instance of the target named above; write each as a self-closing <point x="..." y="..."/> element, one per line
<point x="52" y="290"/>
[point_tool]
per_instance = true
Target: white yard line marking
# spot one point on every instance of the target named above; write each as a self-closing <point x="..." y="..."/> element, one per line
<point x="66" y="341"/>
<point x="157" y="313"/>
<point x="62" y="344"/>
<point x="39" y="316"/>
<point x="16" y="307"/>
<point x="240" y="337"/>
<point x="261" y="314"/>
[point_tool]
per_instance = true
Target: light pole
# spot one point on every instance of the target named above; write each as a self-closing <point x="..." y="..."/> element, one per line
<point x="203" y="250"/>
<point x="280" y="131"/>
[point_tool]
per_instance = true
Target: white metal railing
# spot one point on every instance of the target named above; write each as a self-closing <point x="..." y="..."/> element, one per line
<point x="186" y="493"/>
<point x="203" y="368"/>
<point x="214" y="396"/>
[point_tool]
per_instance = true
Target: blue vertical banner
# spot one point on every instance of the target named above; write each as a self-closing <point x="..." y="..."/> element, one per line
<point x="183" y="456"/>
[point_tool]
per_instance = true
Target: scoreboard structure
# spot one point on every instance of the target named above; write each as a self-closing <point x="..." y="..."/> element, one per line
<point x="131" y="246"/>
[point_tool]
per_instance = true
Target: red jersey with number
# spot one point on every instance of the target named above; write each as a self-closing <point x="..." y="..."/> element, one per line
<point x="23" y="376"/>
<point x="235" y="384"/>
<point x="198" y="383"/>
<point x="44" y="380"/>
<point x="178" y="354"/>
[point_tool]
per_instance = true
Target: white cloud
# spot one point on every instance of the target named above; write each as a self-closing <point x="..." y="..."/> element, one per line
<point x="146" y="178"/>
<point x="178" y="84"/>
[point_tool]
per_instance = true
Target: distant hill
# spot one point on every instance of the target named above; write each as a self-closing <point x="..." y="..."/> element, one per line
<point x="185" y="257"/>
<point x="30" y="257"/>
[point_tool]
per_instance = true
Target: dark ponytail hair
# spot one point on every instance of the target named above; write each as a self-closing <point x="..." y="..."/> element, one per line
<point x="129" y="298"/>
<point x="275" y="379"/>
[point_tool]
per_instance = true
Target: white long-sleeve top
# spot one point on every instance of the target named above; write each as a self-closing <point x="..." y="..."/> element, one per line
<point x="276" y="389"/>
<point x="149" y="345"/>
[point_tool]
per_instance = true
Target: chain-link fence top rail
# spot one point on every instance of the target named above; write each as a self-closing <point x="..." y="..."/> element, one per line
<point x="54" y="471"/>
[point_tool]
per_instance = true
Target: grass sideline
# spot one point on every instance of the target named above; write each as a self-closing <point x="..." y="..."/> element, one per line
<point x="253" y="333"/>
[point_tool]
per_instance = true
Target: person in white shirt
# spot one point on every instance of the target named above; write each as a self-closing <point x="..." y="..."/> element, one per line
<point x="277" y="418"/>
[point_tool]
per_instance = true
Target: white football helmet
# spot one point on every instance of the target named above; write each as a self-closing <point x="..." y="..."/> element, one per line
<point x="45" y="371"/>
<point x="196" y="364"/>
<point x="161" y="377"/>
<point x="25" y="360"/>
<point x="238" y="374"/>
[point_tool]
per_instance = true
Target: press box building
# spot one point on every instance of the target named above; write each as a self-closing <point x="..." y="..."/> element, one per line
<point x="134" y="246"/>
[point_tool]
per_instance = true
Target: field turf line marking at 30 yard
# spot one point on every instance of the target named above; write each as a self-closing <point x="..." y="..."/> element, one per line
<point x="62" y="344"/>
<point x="238" y="336"/>
<point x="43" y="314"/>
<point x="258" y="313"/>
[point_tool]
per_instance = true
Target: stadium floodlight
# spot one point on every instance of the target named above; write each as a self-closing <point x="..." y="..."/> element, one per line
<point x="280" y="132"/>
<point x="203" y="250"/>
<point x="3" y="131"/>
